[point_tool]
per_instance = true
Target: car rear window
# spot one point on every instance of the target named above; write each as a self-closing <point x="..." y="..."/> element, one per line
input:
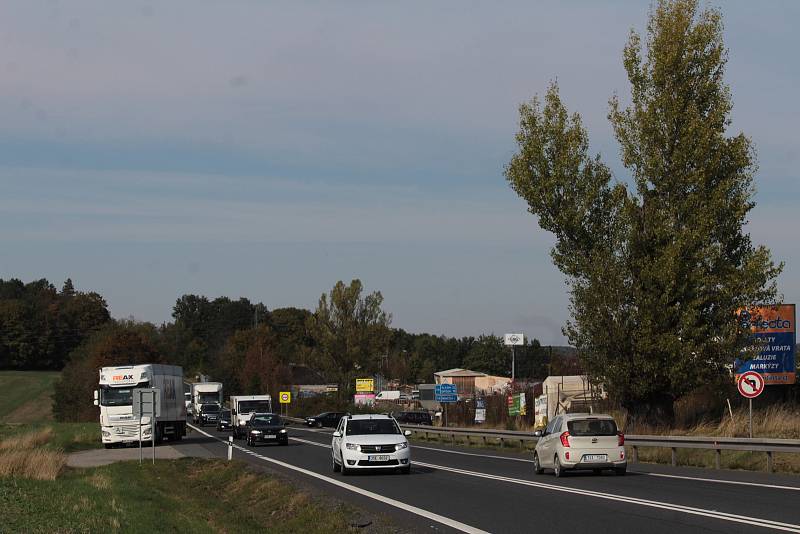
<point x="592" y="427"/>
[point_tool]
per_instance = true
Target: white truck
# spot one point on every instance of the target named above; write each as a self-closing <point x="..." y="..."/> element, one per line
<point x="115" y="398"/>
<point x="204" y="393"/>
<point x="387" y="395"/>
<point x="243" y="406"/>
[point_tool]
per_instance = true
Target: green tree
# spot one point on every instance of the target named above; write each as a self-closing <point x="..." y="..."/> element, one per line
<point x="350" y="333"/>
<point x="489" y="355"/>
<point x="656" y="270"/>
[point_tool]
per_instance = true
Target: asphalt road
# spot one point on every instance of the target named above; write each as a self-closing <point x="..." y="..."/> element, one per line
<point x="474" y="490"/>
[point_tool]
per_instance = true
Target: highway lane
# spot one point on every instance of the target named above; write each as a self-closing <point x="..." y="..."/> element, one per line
<point x="496" y="492"/>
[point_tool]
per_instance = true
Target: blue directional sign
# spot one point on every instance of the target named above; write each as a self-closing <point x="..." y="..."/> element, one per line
<point x="445" y="393"/>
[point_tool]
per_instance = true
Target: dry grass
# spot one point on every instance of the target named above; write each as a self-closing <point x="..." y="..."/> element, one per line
<point x="37" y="464"/>
<point x="22" y="456"/>
<point x="27" y="441"/>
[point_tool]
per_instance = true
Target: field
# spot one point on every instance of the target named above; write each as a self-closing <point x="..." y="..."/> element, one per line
<point x="25" y="396"/>
<point x="38" y="493"/>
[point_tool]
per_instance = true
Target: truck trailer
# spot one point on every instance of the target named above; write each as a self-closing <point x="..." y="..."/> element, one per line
<point x="205" y="393"/>
<point x="115" y="399"/>
<point x="244" y="406"/>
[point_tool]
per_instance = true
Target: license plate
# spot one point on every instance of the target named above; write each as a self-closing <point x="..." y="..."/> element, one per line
<point x="381" y="458"/>
<point x="596" y="457"/>
<point x="270" y="436"/>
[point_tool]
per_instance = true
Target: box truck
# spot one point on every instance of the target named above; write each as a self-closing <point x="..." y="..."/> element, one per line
<point x="243" y="406"/>
<point x="115" y="398"/>
<point x="205" y="393"/>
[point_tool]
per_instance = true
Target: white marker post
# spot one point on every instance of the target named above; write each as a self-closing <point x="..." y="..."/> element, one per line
<point x="230" y="448"/>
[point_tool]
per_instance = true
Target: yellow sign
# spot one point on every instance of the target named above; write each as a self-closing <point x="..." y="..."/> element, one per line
<point x="365" y="385"/>
<point x="285" y="397"/>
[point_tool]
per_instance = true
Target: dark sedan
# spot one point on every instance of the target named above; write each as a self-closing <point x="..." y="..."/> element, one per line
<point x="224" y="421"/>
<point x="209" y="414"/>
<point x="266" y="428"/>
<point x="329" y="419"/>
<point x="413" y="418"/>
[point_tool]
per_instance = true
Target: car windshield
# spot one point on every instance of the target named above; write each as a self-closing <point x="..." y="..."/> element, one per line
<point x="592" y="427"/>
<point x="254" y="406"/>
<point x="209" y="408"/>
<point x="111" y="396"/>
<point x="359" y="427"/>
<point x="266" y="420"/>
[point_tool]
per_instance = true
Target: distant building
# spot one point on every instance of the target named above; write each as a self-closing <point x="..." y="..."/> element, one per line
<point x="469" y="383"/>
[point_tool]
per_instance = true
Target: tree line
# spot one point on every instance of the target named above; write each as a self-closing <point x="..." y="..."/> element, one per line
<point x="245" y="345"/>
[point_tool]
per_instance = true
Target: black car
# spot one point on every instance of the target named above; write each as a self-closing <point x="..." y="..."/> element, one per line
<point x="224" y="421"/>
<point x="329" y="419"/>
<point x="209" y="413"/>
<point x="266" y="428"/>
<point x="413" y="418"/>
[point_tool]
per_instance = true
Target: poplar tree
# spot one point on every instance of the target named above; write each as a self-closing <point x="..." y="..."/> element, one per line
<point x="657" y="263"/>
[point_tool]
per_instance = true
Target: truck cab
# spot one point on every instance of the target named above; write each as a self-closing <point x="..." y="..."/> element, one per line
<point x="243" y="407"/>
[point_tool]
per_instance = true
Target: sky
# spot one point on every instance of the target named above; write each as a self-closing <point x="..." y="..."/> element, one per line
<point x="266" y="150"/>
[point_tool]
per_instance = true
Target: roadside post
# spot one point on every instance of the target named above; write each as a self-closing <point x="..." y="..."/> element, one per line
<point x="230" y="448"/>
<point x="750" y="385"/>
<point x="514" y="340"/>
<point x="445" y="394"/>
<point x="285" y="398"/>
<point x="147" y="403"/>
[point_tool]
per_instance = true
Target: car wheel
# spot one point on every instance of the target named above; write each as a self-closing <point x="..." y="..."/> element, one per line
<point x="620" y="471"/>
<point x="319" y="424"/>
<point x="285" y="442"/>
<point x="596" y="471"/>
<point x="537" y="466"/>
<point x="108" y="445"/>
<point x="558" y="471"/>
<point x="406" y="470"/>
<point x="336" y="467"/>
<point x="345" y="470"/>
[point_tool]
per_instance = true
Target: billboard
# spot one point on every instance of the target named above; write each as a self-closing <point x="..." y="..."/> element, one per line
<point x="366" y="399"/>
<point x="365" y="385"/>
<point x="516" y="404"/>
<point x="772" y="343"/>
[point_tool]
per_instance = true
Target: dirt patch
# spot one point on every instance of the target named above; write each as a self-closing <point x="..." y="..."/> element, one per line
<point x="38" y="409"/>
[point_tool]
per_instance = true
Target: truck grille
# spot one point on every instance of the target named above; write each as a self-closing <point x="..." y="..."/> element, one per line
<point x="127" y="431"/>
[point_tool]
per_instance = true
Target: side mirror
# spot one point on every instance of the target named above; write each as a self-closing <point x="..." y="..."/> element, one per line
<point x="407" y="433"/>
<point x="337" y="434"/>
<point x="538" y="434"/>
<point x="96" y="398"/>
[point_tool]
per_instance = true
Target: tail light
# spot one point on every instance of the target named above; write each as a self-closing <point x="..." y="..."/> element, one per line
<point x="620" y="439"/>
<point x="565" y="439"/>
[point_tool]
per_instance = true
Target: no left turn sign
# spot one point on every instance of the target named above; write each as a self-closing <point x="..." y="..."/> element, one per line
<point x="750" y="384"/>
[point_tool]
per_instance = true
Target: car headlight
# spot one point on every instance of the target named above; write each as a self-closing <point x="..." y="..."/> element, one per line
<point x="106" y="434"/>
<point x="401" y="446"/>
<point x="283" y="431"/>
<point x="352" y="446"/>
<point x="255" y="432"/>
<point x="242" y="423"/>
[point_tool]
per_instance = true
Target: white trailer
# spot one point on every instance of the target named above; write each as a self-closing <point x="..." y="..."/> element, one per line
<point x="115" y="396"/>
<point x="205" y="393"/>
<point x="243" y="406"/>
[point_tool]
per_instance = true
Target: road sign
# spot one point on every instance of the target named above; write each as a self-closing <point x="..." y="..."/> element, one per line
<point x="285" y="397"/>
<point x="514" y="339"/>
<point x="146" y="402"/>
<point x="772" y="348"/>
<point x="750" y="384"/>
<point x="445" y="393"/>
<point x="365" y="385"/>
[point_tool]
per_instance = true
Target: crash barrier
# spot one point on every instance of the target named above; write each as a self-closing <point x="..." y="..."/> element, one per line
<point x="717" y="444"/>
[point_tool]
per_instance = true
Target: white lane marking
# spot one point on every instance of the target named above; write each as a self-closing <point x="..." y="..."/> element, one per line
<point x="452" y="523"/>
<point x="753" y="521"/>
<point x="764" y="523"/>
<point x="720" y="481"/>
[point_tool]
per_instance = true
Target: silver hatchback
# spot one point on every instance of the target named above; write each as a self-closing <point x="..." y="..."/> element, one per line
<point x="581" y="441"/>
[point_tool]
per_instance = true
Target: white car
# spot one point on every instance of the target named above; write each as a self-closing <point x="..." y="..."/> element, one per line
<point x="581" y="441"/>
<point x="370" y="442"/>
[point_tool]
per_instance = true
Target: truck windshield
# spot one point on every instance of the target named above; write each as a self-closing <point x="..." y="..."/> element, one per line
<point x="254" y="406"/>
<point x="207" y="398"/>
<point x="119" y="396"/>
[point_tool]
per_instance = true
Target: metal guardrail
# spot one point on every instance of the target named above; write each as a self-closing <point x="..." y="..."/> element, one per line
<point x="717" y="444"/>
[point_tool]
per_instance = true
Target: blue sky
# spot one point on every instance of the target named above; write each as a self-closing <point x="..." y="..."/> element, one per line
<point x="267" y="150"/>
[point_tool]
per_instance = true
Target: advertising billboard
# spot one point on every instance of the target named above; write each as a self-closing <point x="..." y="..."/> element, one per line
<point x="365" y="385"/>
<point x="772" y="345"/>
